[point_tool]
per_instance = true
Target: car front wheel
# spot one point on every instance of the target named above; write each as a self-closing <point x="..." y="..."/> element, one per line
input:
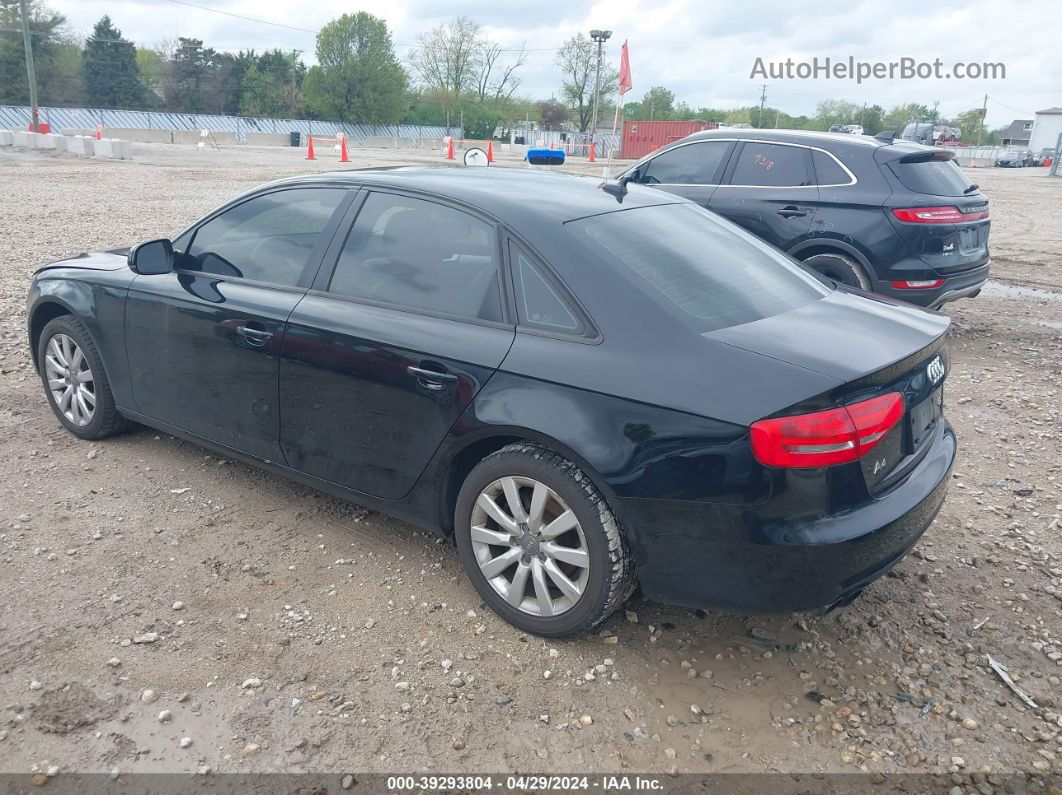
<point x="75" y="382"/>
<point x="539" y="542"/>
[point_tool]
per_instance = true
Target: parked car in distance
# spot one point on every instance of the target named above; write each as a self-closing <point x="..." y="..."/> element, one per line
<point x="892" y="217"/>
<point x="1014" y="158"/>
<point x="1045" y="155"/>
<point x="583" y="388"/>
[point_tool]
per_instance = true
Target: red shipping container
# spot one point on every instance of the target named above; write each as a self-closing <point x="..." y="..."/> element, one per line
<point x="642" y="137"/>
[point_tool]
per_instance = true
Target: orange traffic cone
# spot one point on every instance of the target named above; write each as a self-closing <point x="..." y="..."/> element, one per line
<point x="490" y="151"/>
<point x="593" y="159"/>
<point x="99" y="132"/>
<point x="309" y="152"/>
<point x="450" y="149"/>
<point x="343" y="150"/>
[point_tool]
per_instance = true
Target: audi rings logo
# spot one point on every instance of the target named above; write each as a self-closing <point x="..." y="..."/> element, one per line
<point x="935" y="370"/>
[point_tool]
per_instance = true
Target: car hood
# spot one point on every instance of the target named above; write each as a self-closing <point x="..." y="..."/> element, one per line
<point x="112" y="260"/>
<point x="845" y="335"/>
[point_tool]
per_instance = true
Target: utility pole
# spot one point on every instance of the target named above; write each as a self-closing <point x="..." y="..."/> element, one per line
<point x="984" y="113"/>
<point x="31" y="74"/>
<point x="600" y="36"/>
<point x="652" y="105"/>
<point x="763" y="101"/>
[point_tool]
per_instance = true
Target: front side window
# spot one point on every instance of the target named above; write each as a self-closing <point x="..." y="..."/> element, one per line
<point x="771" y="165"/>
<point x="417" y="254"/>
<point x="268" y="238"/>
<point x="707" y="271"/>
<point x="692" y="164"/>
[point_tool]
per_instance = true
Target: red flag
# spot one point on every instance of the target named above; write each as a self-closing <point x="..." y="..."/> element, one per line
<point x="625" y="72"/>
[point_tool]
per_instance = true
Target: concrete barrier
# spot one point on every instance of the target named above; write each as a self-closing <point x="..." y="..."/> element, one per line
<point x="121" y="150"/>
<point x="59" y="143"/>
<point x="103" y="149"/>
<point x="268" y="139"/>
<point x="193" y="137"/>
<point x="7" y="138"/>
<point x="26" y="140"/>
<point x="146" y="136"/>
<point x="80" y="144"/>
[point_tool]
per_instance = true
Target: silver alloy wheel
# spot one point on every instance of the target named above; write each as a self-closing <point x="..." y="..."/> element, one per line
<point x="530" y="546"/>
<point x="70" y="379"/>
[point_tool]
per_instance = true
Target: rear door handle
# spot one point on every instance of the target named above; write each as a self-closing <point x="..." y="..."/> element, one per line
<point x="254" y="336"/>
<point x="431" y="379"/>
<point x="792" y="212"/>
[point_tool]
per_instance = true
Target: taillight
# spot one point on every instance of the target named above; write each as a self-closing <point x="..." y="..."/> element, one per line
<point x="825" y="438"/>
<point x="937" y="215"/>
<point x="917" y="284"/>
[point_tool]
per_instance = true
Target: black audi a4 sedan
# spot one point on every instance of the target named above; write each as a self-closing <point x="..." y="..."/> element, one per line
<point x="585" y="388"/>
<point x="891" y="216"/>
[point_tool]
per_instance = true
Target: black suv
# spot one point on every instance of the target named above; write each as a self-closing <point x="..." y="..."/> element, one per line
<point x="893" y="217"/>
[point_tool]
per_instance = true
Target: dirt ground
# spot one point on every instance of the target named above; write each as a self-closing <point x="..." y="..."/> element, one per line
<point x="152" y="591"/>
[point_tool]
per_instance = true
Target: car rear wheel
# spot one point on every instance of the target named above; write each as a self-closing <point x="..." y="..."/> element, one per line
<point x="75" y="382"/>
<point x="839" y="268"/>
<point x="539" y="542"/>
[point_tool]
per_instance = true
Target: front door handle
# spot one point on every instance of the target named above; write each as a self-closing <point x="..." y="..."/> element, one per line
<point x="254" y="336"/>
<point x="431" y="379"/>
<point x="792" y="212"/>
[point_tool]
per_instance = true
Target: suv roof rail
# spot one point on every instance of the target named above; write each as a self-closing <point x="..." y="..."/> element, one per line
<point x="886" y="136"/>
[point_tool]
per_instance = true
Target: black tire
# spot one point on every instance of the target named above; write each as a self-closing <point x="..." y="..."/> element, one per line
<point x="105" y="420"/>
<point x="840" y="268"/>
<point x="610" y="577"/>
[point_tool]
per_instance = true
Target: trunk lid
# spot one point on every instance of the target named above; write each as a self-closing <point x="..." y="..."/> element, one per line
<point x="875" y="346"/>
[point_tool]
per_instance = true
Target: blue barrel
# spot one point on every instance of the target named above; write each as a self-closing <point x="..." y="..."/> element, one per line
<point x="545" y="157"/>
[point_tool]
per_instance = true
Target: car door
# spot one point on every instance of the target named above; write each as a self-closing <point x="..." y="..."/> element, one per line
<point x="690" y="170"/>
<point x="769" y="189"/>
<point x="402" y="328"/>
<point x="203" y="341"/>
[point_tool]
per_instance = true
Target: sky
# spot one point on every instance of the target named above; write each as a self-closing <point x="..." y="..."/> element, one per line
<point x="704" y="51"/>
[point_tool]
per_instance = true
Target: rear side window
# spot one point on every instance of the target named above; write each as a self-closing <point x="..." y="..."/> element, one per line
<point x="771" y="165"/>
<point x="828" y="171"/>
<point x="539" y="301"/>
<point x="705" y="270"/>
<point x="933" y="176"/>
<point x="692" y="164"/>
<point x="417" y="254"/>
<point x="268" y="238"/>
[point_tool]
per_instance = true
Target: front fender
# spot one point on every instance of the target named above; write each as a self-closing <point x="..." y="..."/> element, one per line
<point x="99" y="304"/>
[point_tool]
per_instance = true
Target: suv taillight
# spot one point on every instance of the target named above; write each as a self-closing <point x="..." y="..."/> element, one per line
<point x="825" y="438"/>
<point x="937" y="215"/>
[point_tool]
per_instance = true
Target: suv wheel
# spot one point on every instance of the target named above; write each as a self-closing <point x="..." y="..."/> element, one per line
<point x="840" y="268"/>
<point x="75" y="382"/>
<point x="540" y="544"/>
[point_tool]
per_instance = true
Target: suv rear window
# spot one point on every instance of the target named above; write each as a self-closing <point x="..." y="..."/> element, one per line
<point x="937" y="177"/>
<point x="705" y="270"/>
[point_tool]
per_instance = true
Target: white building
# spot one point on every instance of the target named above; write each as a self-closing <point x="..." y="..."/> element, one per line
<point x="1046" y="129"/>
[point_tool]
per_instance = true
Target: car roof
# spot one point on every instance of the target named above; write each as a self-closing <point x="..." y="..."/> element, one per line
<point x="513" y="195"/>
<point x="833" y="142"/>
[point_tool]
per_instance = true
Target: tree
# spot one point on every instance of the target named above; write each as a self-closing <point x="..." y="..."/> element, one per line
<point x="577" y="59"/>
<point x="186" y="75"/>
<point x="659" y="102"/>
<point x="836" y="111"/>
<point x="445" y="60"/>
<point x="55" y="55"/>
<point x="552" y="114"/>
<point x="272" y="85"/>
<point x="972" y="125"/>
<point x="149" y="64"/>
<point x="112" y="78"/>
<point x="358" y="78"/>
<point x="898" y="118"/>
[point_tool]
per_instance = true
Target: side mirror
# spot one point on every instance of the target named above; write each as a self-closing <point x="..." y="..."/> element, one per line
<point x="151" y="258"/>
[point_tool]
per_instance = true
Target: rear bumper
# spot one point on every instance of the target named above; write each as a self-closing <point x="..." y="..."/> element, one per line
<point x="727" y="557"/>
<point x="958" y="285"/>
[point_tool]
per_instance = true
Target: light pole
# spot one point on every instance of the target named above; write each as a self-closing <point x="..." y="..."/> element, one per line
<point x="31" y="75"/>
<point x="600" y="36"/>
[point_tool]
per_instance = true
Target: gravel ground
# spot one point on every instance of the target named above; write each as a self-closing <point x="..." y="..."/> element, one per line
<point x="165" y="609"/>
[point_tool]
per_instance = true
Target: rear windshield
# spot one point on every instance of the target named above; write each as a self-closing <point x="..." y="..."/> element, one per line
<point x="935" y="177"/>
<point x="703" y="269"/>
